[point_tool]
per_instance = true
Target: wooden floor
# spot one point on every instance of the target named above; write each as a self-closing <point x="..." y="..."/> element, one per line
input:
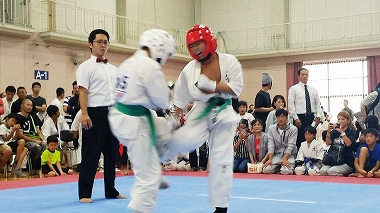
<point x="12" y="177"/>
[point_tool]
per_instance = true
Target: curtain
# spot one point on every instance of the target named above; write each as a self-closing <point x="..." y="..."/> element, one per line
<point x="291" y="74"/>
<point x="373" y="71"/>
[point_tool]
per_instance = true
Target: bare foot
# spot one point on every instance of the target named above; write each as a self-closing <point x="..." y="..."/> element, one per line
<point x="361" y="176"/>
<point x="120" y="196"/>
<point x="124" y="171"/>
<point x="353" y="175"/>
<point x="85" y="200"/>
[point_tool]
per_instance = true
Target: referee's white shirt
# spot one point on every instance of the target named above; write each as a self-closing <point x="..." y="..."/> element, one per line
<point x="98" y="79"/>
<point x="297" y="100"/>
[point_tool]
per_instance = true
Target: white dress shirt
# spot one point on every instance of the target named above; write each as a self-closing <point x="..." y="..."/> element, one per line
<point x="297" y="100"/>
<point x="98" y="79"/>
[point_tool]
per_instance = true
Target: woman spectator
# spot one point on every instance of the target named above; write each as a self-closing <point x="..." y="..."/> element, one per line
<point x="241" y="147"/>
<point x="341" y="133"/>
<point x="258" y="143"/>
<point x="277" y="103"/>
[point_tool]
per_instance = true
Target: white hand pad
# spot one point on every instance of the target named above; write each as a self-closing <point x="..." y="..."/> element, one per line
<point x="205" y="83"/>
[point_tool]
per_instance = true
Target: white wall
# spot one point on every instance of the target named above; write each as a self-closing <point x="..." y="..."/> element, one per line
<point x="253" y="26"/>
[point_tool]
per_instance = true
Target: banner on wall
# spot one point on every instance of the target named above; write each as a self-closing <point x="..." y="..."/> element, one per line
<point x="41" y="75"/>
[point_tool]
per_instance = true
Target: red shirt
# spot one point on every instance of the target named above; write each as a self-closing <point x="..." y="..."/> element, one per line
<point x="257" y="148"/>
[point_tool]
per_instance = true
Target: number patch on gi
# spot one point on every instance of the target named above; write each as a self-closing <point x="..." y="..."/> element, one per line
<point x="121" y="85"/>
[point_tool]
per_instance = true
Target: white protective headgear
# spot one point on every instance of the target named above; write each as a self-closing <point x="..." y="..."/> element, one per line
<point x="160" y="43"/>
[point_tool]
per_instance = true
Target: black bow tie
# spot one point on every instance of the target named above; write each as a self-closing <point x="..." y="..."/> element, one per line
<point x="101" y="60"/>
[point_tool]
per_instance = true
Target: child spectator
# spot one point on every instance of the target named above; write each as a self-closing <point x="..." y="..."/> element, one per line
<point x="243" y="114"/>
<point x="367" y="158"/>
<point x="310" y="154"/>
<point x="51" y="159"/>
<point x="9" y="136"/>
<point x="361" y="141"/>
<point x="241" y="147"/>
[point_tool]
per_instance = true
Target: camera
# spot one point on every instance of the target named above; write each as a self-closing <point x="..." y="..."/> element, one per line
<point x="336" y="125"/>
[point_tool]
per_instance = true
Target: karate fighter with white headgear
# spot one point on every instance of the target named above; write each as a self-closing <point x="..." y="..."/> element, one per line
<point x="210" y="81"/>
<point x="141" y="88"/>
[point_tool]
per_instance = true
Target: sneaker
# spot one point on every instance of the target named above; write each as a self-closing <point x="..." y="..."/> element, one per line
<point x="18" y="172"/>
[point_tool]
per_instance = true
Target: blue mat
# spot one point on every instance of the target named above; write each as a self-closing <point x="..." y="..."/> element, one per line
<point x="190" y="195"/>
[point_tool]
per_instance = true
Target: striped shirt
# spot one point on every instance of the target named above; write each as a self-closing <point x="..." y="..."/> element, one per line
<point x="242" y="151"/>
<point x="67" y="116"/>
<point x="368" y="100"/>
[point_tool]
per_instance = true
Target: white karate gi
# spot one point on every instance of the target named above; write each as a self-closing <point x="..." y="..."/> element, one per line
<point x="219" y="131"/>
<point x="315" y="150"/>
<point x="140" y="81"/>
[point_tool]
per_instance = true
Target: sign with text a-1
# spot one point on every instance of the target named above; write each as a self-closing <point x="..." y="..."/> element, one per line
<point x="41" y="75"/>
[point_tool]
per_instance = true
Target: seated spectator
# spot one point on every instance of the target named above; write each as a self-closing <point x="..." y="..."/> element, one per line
<point x="361" y="141"/>
<point x="341" y="133"/>
<point x="372" y="122"/>
<point x="310" y="155"/>
<point x="16" y="105"/>
<point x="258" y="143"/>
<point x="51" y="159"/>
<point x="277" y="103"/>
<point x="322" y="127"/>
<point x="5" y="154"/>
<point x="178" y="163"/>
<point x="251" y="109"/>
<point x="54" y="123"/>
<point x="9" y="135"/>
<point x="367" y="158"/>
<point x="76" y="127"/>
<point x="30" y="132"/>
<point x="243" y="114"/>
<point x="241" y="147"/>
<point x="199" y="163"/>
<point x="282" y="138"/>
<point x="8" y="101"/>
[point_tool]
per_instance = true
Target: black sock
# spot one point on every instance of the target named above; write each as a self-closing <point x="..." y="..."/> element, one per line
<point x="220" y="210"/>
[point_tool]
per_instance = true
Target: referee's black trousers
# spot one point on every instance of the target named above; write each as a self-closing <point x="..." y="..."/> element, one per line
<point x="306" y="120"/>
<point x="94" y="141"/>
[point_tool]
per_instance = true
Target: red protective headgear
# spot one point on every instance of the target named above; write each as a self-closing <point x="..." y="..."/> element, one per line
<point x="201" y="33"/>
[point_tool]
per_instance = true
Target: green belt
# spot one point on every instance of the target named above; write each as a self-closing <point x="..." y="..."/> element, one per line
<point x="214" y="102"/>
<point x="138" y="110"/>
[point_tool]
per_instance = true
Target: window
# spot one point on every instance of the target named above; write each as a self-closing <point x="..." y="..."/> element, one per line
<point x="339" y="81"/>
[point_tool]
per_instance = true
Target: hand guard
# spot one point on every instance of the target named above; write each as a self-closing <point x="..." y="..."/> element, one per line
<point x="205" y="83"/>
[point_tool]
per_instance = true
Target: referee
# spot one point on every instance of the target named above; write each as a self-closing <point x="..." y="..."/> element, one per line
<point x="304" y="105"/>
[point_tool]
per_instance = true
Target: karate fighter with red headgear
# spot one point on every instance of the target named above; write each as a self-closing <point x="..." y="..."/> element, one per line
<point x="141" y="88"/>
<point x="210" y="81"/>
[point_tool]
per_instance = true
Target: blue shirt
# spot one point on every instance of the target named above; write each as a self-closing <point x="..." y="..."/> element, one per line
<point x="374" y="155"/>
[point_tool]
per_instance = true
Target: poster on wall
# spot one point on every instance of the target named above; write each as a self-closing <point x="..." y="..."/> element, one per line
<point x="41" y="75"/>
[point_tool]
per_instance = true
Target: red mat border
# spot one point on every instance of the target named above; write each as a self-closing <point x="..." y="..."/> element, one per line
<point x="22" y="183"/>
